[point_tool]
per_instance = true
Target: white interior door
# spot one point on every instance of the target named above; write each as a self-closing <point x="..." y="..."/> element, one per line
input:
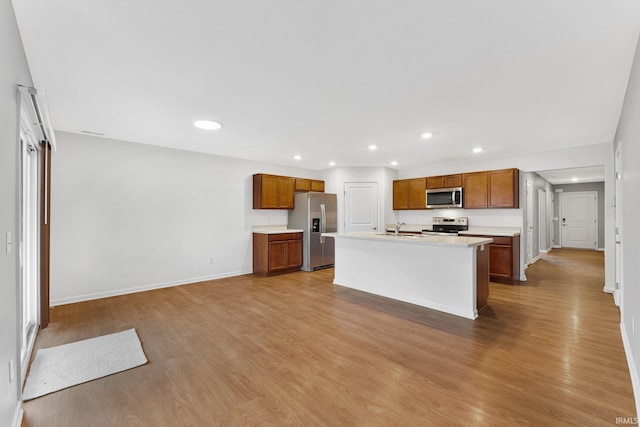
<point x="360" y="206"/>
<point x="578" y="220"/>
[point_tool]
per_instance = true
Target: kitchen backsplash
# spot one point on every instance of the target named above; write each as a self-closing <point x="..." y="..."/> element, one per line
<point x="477" y="217"/>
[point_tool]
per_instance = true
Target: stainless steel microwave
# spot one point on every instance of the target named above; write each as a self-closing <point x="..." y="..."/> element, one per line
<point x="444" y="198"/>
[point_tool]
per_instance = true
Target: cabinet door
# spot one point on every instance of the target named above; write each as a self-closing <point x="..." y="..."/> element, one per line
<point x="269" y="192"/>
<point x="294" y="253"/>
<point x="435" y="182"/>
<point x="503" y="188"/>
<point x="401" y="194"/>
<point x="277" y="255"/>
<point x="302" y="184"/>
<point x="417" y="193"/>
<point x="452" y="181"/>
<point x="475" y="190"/>
<point x="317" y="185"/>
<point x="500" y="261"/>
<point x="285" y="190"/>
<point x="445" y="181"/>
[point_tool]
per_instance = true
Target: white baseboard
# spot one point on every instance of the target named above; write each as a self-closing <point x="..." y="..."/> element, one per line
<point x="17" y="418"/>
<point x="149" y="287"/>
<point x="600" y="249"/>
<point x="608" y="290"/>
<point x="633" y="370"/>
<point x="556" y="247"/>
<point x="545" y="251"/>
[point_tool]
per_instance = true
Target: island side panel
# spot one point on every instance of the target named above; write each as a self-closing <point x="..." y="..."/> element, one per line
<point x="433" y="276"/>
<point x="482" y="279"/>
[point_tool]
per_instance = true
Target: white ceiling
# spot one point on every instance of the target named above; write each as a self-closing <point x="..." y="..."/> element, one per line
<point x="574" y="176"/>
<point x="326" y="79"/>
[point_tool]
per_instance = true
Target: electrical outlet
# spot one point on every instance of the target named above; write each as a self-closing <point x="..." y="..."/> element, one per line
<point x="211" y="260"/>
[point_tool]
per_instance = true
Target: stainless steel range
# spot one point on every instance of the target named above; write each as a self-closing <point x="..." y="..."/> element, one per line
<point x="443" y="226"/>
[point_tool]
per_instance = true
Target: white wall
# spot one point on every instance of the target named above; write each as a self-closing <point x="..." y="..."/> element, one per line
<point x="628" y="137"/>
<point x="128" y="217"/>
<point x="13" y="71"/>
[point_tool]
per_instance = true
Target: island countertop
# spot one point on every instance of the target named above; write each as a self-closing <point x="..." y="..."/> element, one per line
<point x="415" y="239"/>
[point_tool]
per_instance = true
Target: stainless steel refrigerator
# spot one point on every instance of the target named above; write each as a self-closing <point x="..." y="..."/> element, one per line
<point x="315" y="213"/>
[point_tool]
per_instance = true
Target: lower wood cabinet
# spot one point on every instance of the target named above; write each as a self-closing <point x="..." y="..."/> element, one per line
<point x="504" y="259"/>
<point x="276" y="253"/>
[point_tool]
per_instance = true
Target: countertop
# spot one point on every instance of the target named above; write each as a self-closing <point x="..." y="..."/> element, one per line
<point x="274" y="229"/>
<point x="412" y="239"/>
<point x="493" y="231"/>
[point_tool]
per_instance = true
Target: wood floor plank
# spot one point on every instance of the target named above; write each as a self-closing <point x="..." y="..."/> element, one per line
<point x="296" y="350"/>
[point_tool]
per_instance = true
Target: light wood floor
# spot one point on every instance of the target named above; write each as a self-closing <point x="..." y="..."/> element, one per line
<point x="296" y="350"/>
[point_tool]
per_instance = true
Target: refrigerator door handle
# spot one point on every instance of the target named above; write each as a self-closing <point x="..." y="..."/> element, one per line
<point x="323" y="222"/>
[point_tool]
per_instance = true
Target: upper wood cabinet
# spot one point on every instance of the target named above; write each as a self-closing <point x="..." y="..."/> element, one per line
<point x="475" y="190"/>
<point x="409" y="194"/>
<point x="304" y="185"/>
<point x="273" y="191"/>
<point x="444" y="181"/>
<point x="491" y="189"/>
<point x="504" y="188"/>
<point x="317" y="185"/>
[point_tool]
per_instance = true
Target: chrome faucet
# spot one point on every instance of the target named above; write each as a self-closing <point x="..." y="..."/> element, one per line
<point x="398" y="225"/>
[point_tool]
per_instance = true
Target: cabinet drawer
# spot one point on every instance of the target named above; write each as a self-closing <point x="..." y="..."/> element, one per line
<point x="285" y="236"/>
<point x="501" y="240"/>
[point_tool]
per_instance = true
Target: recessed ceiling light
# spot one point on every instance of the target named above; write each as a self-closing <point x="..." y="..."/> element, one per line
<point x="332" y="163"/>
<point x="426" y="135"/>
<point x="574" y="179"/>
<point x="394" y="163"/>
<point x="297" y="157"/>
<point x="373" y="147"/>
<point x="207" y="124"/>
<point x="477" y="150"/>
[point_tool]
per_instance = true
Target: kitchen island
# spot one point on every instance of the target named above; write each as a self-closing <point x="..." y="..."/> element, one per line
<point x="445" y="273"/>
